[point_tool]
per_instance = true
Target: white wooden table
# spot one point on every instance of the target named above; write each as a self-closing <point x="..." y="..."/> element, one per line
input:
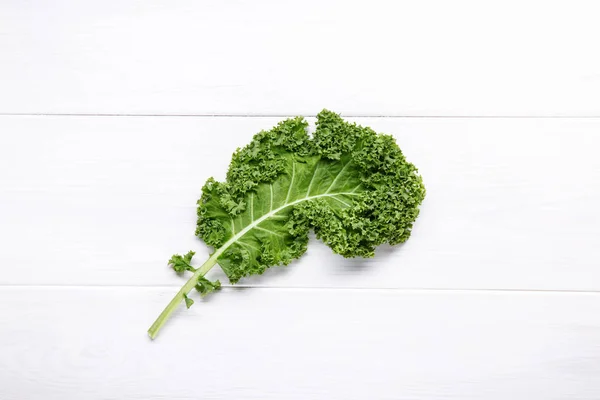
<point x="114" y="114"/>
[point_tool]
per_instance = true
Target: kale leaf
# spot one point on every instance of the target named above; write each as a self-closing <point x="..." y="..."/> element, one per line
<point x="348" y="184"/>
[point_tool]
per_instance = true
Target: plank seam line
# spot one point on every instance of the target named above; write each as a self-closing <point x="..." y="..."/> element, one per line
<point x="324" y="288"/>
<point x="290" y="115"/>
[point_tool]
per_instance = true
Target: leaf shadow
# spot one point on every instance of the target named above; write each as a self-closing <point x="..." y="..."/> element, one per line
<point x="337" y="265"/>
<point x="269" y="274"/>
<point x="382" y="253"/>
<point x="254" y="280"/>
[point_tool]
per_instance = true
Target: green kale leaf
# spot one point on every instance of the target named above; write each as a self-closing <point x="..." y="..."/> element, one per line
<point x="350" y="185"/>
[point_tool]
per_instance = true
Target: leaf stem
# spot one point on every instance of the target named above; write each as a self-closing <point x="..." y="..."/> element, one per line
<point x="179" y="297"/>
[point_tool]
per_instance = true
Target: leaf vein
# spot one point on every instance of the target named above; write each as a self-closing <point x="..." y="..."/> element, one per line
<point x="251" y="207"/>
<point x="248" y="244"/>
<point x="337" y="176"/>
<point x="356" y="188"/>
<point x="287" y="198"/>
<point x="269" y="231"/>
<point x="312" y="179"/>
<point x="341" y="201"/>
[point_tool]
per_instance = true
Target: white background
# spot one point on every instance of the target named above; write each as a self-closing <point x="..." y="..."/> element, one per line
<point x="113" y="114"/>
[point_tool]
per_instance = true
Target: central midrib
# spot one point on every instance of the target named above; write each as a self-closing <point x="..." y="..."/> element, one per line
<point x="266" y="216"/>
<point x="189" y="285"/>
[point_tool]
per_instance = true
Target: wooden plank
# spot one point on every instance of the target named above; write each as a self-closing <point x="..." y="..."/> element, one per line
<point x="262" y="57"/>
<point x="62" y="344"/>
<point x="512" y="203"/>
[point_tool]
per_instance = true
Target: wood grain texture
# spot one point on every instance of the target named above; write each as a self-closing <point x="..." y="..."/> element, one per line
<point x="271" y="57"/>
<point x="61" y="343"/>
<point x="494" y="297"/>
<point x="512" y="203"/>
